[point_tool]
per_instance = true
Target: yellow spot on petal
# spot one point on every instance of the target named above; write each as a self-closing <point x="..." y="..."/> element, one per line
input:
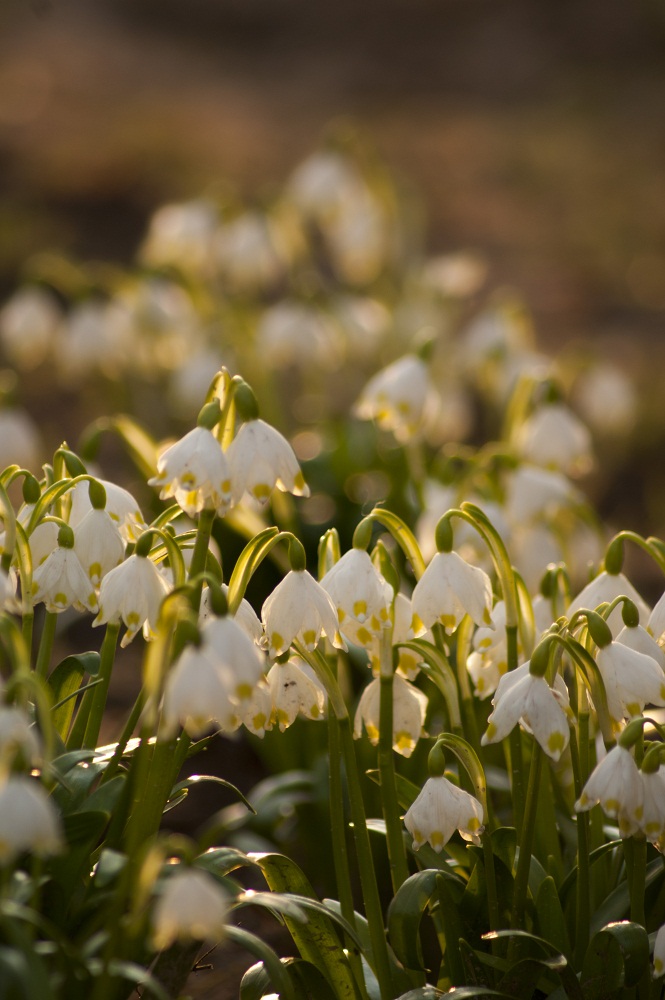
<point x="403" y="741"/>
<point x="259" y="720"/>
<point x="658" y="966"/>
<point x="633" y="708"/>
<point x="276" y="642"/>
<point x="314" y="711"/>
<point x="282" y="719"/>
<point x="611" y="805"/>
<point x="473" y="824"/>
<point x="61" y="600"/>
<point x="491" y="732"/>
<point x="226" y="486"/>
<point x="555" y="743"/>
<point x="363" y="636"/>
<point x="487" y="618"/>
<point x="448" y="621"/>
<point x="372" y="732"/>
<point x="360" y="610"/>
<point x="244" y="691"/>
<point x="299" y="483"/>
<point x="436" y="839"/>
<point x="309" y="638"/>
<point x="639" y="812"/>
<point x="261" y="492"/>
<point x="132" y="620"/>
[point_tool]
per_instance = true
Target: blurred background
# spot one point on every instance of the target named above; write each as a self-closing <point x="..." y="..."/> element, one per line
<point x="532" y="132"/>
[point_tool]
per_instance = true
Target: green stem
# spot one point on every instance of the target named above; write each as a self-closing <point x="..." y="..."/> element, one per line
<point x="200" y="553"/>
<point x="583" y="888"/>
<point x="368" y="881"/>
<point x="340" y="846"/>
<point x="516" y="762"/>
<point x="490" y="876"/>
<point x="100" y="692"/>
<point x="635" y="854"/>
<point x="46" y="644"/>
<point x="125" y="736"/>
<point x="26" y="629"/>
<point x="526" y="839"/>
<point x="399" y="871"/>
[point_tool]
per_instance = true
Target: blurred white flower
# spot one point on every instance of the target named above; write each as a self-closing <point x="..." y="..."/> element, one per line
<point x="409" y="710"/>
<point x="449" y="589"/>
<point x="20" y="440"/>
<point x="408" y="662"/>
<point x="603" y="589"/>
<point x="322" y="183"/>
<point x="234" y="654"/>
<point x="541" y="710"/>
<point x="181" y="235"/>
<point x="245" y="616"/>
<point x="28" y="322"/>
<point x="192" y="906"/>
<point x="261" y="458"/>
<point x="197" y="695"/>
<point x="534" y="492"/>
<point x="652" y="820"/>
<point x="196" y="472"/>
<point x="18" y="737"/>
<point x="659" y="953"/>
<point x="489" y="660"/>
<point x="607" y="399"/>
<point x="294" y="333"/>
<point x="299" y="608"/>
<point x="556" y="439"/>
<point x="247" y="253"/>
<point x="132" y="593"/>
<point x="440" y="809"/>
<point x="400" y="398"/>
<point x="615" y="784"/>
<point x="28" y="820"/>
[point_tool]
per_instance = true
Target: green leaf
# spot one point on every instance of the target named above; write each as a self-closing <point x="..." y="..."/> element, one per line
<point x="222" y="860"/>
<point x="422" y="993"/>
<point x="617" y="955"/>
<point x="406" y="911"/>
<point x="197" y="779"/>
<point x="316" y="939"/>
<point x="308" y="982"/>
<point x="615" y="906"/>
<point x="550" y="917"/>
<point x="65" y="682"/>
<point x="400" y="978"/>
<point x="250" y="557"/>
<point x="138" y="976"/>
<point x="279" y="977"/>
<point x="277" y="902"/>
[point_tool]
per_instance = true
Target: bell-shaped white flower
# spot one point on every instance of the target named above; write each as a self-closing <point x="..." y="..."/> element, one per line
<point x="362" y="596"/>
<point x="409" y="710"/>
<point x="534" y="492"/>
<point x="652" y="820"/>
<point x="555" y="438"/>
<point x="192" y="906"/>
<point x="196" y="472"/>
<point x="449" y="589"/>
<point x="121" y="507"/>
<point x="8" y="598"/>
<point x="299" y="608"/>
<point x="632" y="680"/>
<point x="20" y="440"/>
<point x="245" y="616"/>
<point x="132" y="593"/>
<point x="197" y="696"/>
<point x="488" y="661"/>
<point x="294" y="690"/>
<point x="399" y="398"/>
<point x="439" y="810"/>
<point x="27" y="326"/>
<point x="181" y="235"/>
<point x="28" y="820"/>
<point x="295" y="333"/>
<point x="236" y="657"/>
<point x="655" y="622"/>
<point x="247" y="253"/>
<point x="60" y="581"/>
<point x="528" y="699"/>
<point x="256" y="714"/>
<point x="18" y="737"/>
<point x="261" y="458"/>
<point x="659" y="954"/>
<point x="615" y="784"/>
<point x="408" y="662"/>
<point x="98" y="544"/>
<point x="603" y="589"/>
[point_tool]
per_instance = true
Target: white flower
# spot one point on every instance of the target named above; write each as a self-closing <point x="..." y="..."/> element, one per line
<point x="322" y="182"/>
<point x="659" y="953"/>
<point x="192" y="906"/>
<point x="8" y="598"/>
<point x="607" y="399"/>
<point x="196" y="472"/>
<point x="293" y="333"/>
<point x="27" y="326"/>
<point x="121" y="507"/>
<point x="247" y="252"/>
<point x="299" y="608"/>
<point x="652" y="820"/>
<point x="256" y="713"/>
<point x="632" y="680"/>
<point x="409" y="710"/>
<point x="532" y="491"/>
<point x="399" y="397"/>
<point x="261" y="458"/>
<point x="20" y="441"/>
<point x="408" y="661"/>
<point x="615" y="784"/>
<point x="181" y="235"/>
<point x="640" y="640"/>
<point x="656" y="620"/>
<point x="603" y="589"/>
<point x="132" y="593"/>
<point x="245" y="616"/>
<point x="28" y="820"/>
<point x="362" y="596"/>
<point x="196" y="695"/>
<point x="440" y="809"/>
<point x="554" y="437"/>
<point x="533" y="546"/>
<point x="60" y="581"/>
<point x="523" y="697"/>
<point x="18" y="737"/>
<point x="235" y="656"/>
<point x="450" y="588"/>
<point x="293" y="690"/>
<point x="489" y="660"/>
<point x="98" y="544"/>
